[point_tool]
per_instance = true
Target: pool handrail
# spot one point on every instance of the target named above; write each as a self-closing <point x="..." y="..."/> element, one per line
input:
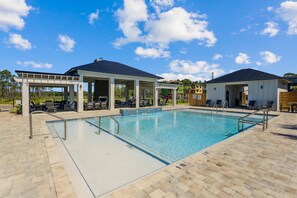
<point x="31" y="127"/>
<point x="118" y="131"/>
<point x="264" y="121"/>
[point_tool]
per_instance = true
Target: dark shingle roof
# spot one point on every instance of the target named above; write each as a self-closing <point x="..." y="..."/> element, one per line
<point x="244" y="75"/>
<point x="111" y="67"/>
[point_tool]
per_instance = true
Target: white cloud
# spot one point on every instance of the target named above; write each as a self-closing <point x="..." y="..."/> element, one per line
<point x="66" y="43"/>
<point x="34" y="64"/>
<point x="134" y="11"/>
<point x="288" y="13"/>
<point x="271" y="29"/>
<point x="217" y="57"/>
<point x="269" y="8"/>
<point x="270" y="57"/>
<point x="93" y="17"/>
<point x="152" y="52"/>
<point x="178" y="25"/>
<point x="160" y="28"/>
<point x="159" y="5"/>
<point x="19" y="42"/>
<point x="258" y="63"/>
<point x="242" y="59"/>
<point x="199" y="70"/>
<point x="12" y="13"/>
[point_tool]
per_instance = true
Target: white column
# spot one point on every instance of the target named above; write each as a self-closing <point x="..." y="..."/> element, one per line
<point x="66" y="93"/>
<point x="136" y="93"/>
<point x="174" y="97"/>
<point x="90" y="92"/>
<point x="80" y="97"/>
<point x="71" y="95"/>
<point x="25" y="99"/>
<point x="111" y="94"/>
<point x="155" y="93"/>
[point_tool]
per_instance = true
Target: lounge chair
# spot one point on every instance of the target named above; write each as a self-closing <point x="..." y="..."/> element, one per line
<point x="89" y="106"/>
<point x="165" y="102"/>
<point x="208" y="103"/>
<point x="252" y="104"/>
<point x="219" y="103"/>
<point x="103" y="102"/>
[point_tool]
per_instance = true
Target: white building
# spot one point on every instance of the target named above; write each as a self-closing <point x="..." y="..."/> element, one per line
<point x="240" y="87"/>
<point x="101" y="76"/>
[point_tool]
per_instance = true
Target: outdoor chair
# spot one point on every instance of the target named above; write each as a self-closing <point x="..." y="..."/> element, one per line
<point x="252" y="104"/>
<point x="97" y="105"/>
<point x="50" y="107"/>
<point x="219" y="103"/>
<point x="165" y="102"/>
<point x="208" y="103"/>
<point x="89" y="106"/>
<point x="268" y="105"/>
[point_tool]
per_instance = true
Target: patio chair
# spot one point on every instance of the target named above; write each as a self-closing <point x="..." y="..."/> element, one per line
<point x="208" y="103"/>
<point x="103" y="102"/>
<point x="268" y="105"/>
<point x="50" y="107"/>
<point x="89" y="106"/>
<point x="165" y="102"/>
<point x="97" y="105"/>
<point x="252" y="104"/>
<point x="219" y="103"/>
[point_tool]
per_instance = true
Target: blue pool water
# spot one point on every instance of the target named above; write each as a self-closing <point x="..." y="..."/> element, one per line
<point x="173" y="135"/>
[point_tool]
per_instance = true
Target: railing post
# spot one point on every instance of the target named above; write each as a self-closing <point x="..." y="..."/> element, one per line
<point x="65" y="130"/>
<point x="31" y="129"/>
<point x="99" y="124"/>
<point x="264" y="119"/>
<point x="267" y="119"/>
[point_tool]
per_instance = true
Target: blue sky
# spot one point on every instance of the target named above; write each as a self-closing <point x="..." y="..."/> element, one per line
<point x="171" y="38"/>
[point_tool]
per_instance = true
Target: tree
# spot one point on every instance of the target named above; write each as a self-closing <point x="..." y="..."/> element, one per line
<point x="9" y="87"/>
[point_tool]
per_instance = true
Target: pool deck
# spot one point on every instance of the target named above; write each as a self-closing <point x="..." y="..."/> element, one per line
<point x="254" y="163"/>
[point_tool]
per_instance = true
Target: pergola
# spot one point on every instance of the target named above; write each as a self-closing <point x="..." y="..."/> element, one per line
<point x="102" y="75"/>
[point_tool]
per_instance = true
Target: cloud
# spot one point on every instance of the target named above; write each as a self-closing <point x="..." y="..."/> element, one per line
<point x="258" y="63"/>
<point x="93" y="17"/>
<point x="66" y="43"/>
<point x="199" y="70"/>
<point x="217" y="57"/>
<point x="160" y="28"/>
<point x="183" y="51"/>
<point x="159" y="5"/>
<point x="34" y="64"/>
<point x="242" y="59"/>
<point x="288" y="13"/>
<point x="271" y="29"/>
<point x="19" y="42"/>
<point x="270" y="57"/>
<point x="12" y="13"/>
<point x="152" y="52"/>
<point x="134" y="11"/>
<point x="269" y="8"/>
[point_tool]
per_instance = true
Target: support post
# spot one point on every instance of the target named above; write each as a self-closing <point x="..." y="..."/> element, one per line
<point x="156" y="94"/>
<point x="174" y="97"/>
<point x="136" y="93"/>
<point x="111" y="94"/>
<point x="71" y="95"/>
<point x="65" y="93"/>
<point x="25" y="98"/>
<point x="90" y="92"/>
<point x="80" y="97"/>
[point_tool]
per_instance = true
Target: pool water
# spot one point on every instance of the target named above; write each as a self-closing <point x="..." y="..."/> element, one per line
<point x="173" y="135"/>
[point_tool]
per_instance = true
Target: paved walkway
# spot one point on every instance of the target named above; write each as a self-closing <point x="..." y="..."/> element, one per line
<point x="253" y="163"/>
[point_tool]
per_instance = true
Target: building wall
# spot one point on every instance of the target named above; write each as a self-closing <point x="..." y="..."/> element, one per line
<point x="216" y="92"/>
<point x="263" y="91"/>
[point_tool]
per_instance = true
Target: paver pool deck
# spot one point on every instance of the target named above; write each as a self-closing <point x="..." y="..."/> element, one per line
<point x="253" y="163"/>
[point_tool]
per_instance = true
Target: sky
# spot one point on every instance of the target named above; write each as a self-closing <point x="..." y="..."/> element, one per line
<point x="174" y="39"/>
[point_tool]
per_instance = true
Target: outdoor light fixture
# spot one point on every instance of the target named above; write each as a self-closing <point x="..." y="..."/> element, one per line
<point x="215" y="88"/>
<point x="80" y="86"/>
<point x="261" y="86"/>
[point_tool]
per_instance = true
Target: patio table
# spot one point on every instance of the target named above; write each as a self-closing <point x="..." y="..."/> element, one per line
<point x="292" y="104"/>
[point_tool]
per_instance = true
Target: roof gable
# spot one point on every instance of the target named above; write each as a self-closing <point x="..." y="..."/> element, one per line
<point x="104" y="66"/>
<point x="244" y="75"/>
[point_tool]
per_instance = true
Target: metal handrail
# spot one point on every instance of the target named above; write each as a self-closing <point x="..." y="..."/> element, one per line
<point x="31" y="127"/>
<point x="118" y="131"/>
<point x="264" y="120"/>
<point x="224" y="104"/>
<point x="216" y="108"/>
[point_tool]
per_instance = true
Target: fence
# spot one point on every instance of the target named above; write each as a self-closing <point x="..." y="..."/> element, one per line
<point x="287" y="97"/>
<point x="197" y="99"/>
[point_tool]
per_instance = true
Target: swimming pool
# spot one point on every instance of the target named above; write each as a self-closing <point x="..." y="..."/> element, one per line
<point x="158" y="139"/>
